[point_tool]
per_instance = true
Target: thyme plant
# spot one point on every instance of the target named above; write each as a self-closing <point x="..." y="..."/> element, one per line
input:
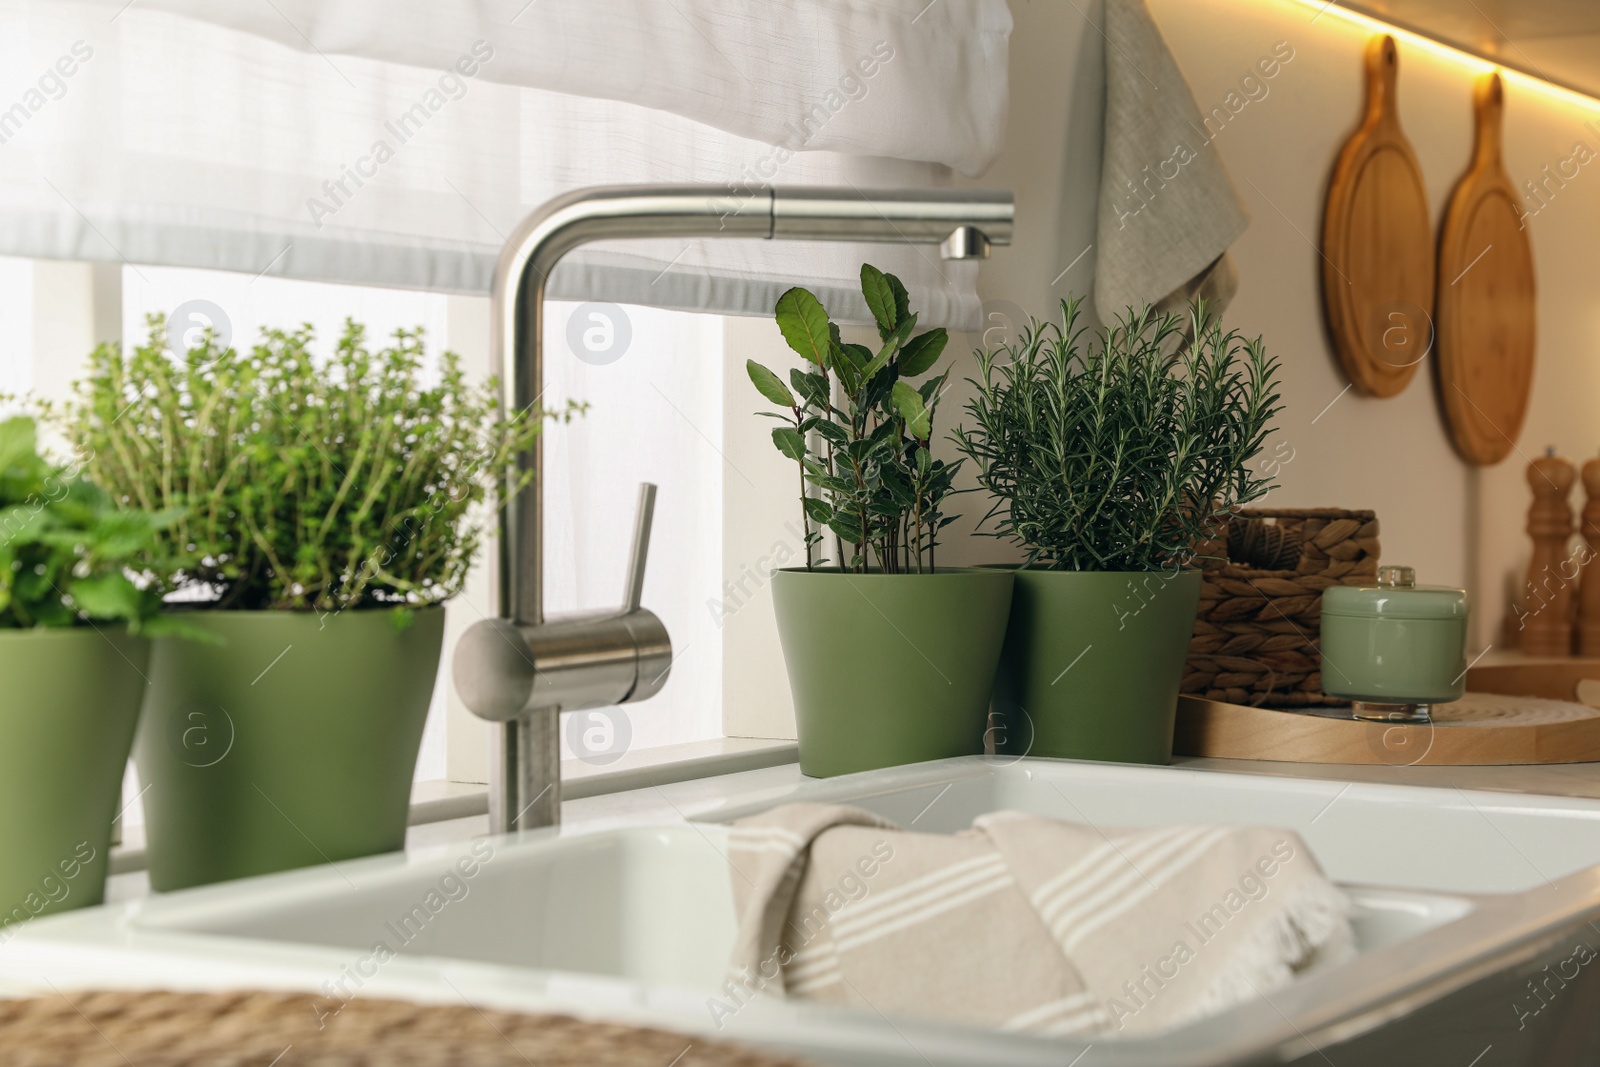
<point x="1120" y="455"/>
<point x="356" y="481"/>
<point x="866" y="470"/>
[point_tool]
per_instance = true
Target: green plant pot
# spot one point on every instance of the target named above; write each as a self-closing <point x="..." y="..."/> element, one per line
<point x="888" y="669"/>
<point x="1092" y="664"/>
<point x="67" y="714"/>
<point x="292" y="744"/>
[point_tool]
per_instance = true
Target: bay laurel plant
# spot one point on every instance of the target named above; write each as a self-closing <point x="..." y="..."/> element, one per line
<point x="68" y="555"/>
<point x="1120" y="454"/>
<point x="359" y="480"/>
<point x="865" y="468"/>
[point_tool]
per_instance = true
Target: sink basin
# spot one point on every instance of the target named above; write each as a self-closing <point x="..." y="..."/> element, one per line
<point x="1460" y="896"/>
<point x="1446" y="840"/>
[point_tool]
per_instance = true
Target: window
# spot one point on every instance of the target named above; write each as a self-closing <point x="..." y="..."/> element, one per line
<point x="653" y="380"/>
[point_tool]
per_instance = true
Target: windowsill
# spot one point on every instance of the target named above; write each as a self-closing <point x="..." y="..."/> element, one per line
<point x="437" y="800"/>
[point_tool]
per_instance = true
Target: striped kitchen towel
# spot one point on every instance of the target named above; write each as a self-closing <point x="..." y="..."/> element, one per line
<point x="1023" y="923"/>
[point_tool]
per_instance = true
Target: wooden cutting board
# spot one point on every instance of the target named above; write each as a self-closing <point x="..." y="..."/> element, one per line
<point x="1377" y="243"/>
<point x="1486" y="298"/>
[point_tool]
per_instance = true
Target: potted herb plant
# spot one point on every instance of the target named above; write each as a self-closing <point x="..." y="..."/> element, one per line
<point x="74" y="654"/>
<point x="331" y="506"/>
<point x="890" y="659"/>
<point x="1109" y="463"/>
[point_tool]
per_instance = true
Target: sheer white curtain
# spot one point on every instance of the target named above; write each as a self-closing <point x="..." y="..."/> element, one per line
<point x="395" y="144"/>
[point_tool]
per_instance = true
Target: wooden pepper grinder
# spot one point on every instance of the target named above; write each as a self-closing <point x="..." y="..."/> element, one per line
<point x="1589" y="581"/>
<point x="1547" y="610"/>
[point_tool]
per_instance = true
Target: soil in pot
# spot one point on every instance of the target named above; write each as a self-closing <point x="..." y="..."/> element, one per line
<point x="1092" y="664"/>
<point x="293" y="743"/>
<point x="67" y="714"/>
<point x="889" y="669"/>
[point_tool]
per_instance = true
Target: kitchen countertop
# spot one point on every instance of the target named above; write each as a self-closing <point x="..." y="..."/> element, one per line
<point x="1551" y="779"/>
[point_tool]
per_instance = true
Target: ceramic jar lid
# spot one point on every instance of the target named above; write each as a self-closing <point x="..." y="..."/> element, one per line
<point x="1396" y="596"/>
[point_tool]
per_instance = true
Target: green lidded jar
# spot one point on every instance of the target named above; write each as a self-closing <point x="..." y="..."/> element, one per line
<point x="1396" y="648"/>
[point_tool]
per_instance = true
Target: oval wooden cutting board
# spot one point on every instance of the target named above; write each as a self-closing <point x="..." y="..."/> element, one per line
<point x="1377" y="243"/>
<point x="1486" y="298"/>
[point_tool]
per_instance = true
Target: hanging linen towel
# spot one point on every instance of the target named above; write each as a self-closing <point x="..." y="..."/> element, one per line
<point x="1023" y="923"/>
<point x="1167" y="211"/>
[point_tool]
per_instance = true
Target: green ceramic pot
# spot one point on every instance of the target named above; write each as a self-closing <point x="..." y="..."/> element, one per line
<point x="888" y="669"/>
<point x="68" y="707"/>
<point x="1092" y="664"/>
<point x="293" y="743"/>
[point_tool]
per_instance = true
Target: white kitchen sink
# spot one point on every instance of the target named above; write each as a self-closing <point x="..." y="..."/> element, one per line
<point x="1452" y="889"/>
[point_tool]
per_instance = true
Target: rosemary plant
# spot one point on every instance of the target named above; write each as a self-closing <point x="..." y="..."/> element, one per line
<point x="315" y="485"/>
<point x="864" y="462"/>
<point x="1122" y="455"/>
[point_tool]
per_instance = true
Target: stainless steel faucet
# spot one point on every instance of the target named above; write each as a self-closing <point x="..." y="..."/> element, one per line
<point x="521" y="670"/>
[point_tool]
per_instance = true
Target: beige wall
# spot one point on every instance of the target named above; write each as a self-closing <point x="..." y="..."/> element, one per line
<point x="1455" y="524"/>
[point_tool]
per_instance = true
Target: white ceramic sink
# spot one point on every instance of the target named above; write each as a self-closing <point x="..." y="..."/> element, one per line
<point x="1453" y="889"/>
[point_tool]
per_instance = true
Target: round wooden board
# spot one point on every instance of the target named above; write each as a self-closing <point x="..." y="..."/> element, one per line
<point x="1483" y="729"/>
<point x="1486" y="312"/>
<point x="1377" y="243"/>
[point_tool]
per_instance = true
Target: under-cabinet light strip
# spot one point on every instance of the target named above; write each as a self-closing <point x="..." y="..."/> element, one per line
<point x="1513" y="73"/>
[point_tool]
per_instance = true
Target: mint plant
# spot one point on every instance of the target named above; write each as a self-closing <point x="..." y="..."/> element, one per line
<point x="865" y="466"/>
<point x="68" y="555"/>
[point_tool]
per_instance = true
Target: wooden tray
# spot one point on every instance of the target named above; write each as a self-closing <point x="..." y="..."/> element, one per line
<point x="1514" y="714"/>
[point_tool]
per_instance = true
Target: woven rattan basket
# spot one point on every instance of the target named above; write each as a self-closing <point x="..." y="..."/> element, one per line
<point x="1260" y="619"/>
<point x="119" y="1028"/>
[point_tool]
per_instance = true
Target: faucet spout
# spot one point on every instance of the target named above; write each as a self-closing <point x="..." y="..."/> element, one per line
<point x="525" y="768"/>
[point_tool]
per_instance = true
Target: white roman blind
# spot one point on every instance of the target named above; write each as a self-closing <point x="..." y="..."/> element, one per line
<point x="395" y="144"/>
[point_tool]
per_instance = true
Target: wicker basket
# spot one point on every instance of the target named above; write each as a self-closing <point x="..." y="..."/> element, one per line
<point x="1260" y="619"/>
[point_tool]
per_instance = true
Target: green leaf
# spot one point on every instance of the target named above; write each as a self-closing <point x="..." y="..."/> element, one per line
<point x="881" y="360"/>
<point x="769" y="384"/>
<point x="908" y="402"/>
<point x="832" y="431"/>
<point x="847" y="526"/>
<point x="18" y="441"/>
<point x="880" y="299"/>
<point x="902" y="329"/>
<point x="813" y="388"/>
<point x="804" y="324"/>
<point x="106" y="596"/>
<point x="23" y="524"/>
<point x="922" y="352"/>
<point x="902" y="299"/>
<point x="789" y="442"/>
<point x="121" y="534"/>
<point x="844" y="363"/>
<point x="818" y="510"/>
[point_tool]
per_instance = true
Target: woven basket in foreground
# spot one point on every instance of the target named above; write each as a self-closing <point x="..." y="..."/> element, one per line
<point x="277" y="1029"/>
<point x="1256" y="637"/>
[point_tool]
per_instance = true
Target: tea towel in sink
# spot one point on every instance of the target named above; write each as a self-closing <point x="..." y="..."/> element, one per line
<point x="1023" y="923"/>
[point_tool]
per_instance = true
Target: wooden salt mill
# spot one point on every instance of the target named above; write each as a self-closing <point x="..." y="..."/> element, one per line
<point x="1589" y="581"/>
<point x="1548" y="597"/>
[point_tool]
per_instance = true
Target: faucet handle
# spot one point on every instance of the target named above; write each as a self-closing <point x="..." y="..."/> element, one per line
<point x="644" y="515"/>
